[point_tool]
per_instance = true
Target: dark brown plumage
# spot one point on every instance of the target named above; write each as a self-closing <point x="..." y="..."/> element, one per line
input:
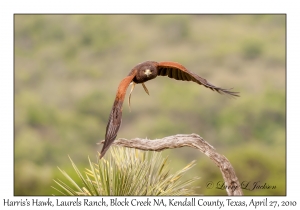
<point x="140" y="74"/>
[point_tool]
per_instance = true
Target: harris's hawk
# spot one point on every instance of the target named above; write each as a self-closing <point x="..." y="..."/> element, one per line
<point x="140" y="74"/>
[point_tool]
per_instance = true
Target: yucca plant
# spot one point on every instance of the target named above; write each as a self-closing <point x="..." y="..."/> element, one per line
<point x="128" y="172"/>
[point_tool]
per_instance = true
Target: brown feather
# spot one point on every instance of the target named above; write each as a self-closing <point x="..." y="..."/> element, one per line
<point x="115" y="117"/>
<point x="177" y="71"/>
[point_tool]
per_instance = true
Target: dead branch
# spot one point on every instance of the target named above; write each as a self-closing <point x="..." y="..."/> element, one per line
<point x="232" y="184"/>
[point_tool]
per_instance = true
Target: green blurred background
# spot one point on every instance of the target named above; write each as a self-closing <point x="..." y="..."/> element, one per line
<point x="68" y="67"/>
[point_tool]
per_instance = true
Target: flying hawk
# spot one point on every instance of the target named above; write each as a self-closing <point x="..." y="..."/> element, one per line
<point x="140" y="74"/>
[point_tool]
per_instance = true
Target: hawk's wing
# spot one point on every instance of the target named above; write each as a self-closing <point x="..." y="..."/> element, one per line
<point x="177" y="71"/>
<point x="115" y="117"/>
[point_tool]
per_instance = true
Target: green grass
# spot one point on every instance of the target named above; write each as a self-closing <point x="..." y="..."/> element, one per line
<point x="128" y="172"/>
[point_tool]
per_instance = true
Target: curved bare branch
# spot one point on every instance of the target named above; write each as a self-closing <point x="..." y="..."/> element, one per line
<point x="233" y="186"/>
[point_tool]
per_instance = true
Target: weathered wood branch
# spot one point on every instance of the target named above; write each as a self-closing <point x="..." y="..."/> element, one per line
<point x="231" y="181"/>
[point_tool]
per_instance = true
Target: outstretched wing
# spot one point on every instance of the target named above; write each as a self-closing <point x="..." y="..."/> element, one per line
<point x="177" y="71"/>
<point x="115" y="117"/>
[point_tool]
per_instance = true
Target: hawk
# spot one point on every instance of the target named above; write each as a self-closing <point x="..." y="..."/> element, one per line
<point x="140" y="74"/>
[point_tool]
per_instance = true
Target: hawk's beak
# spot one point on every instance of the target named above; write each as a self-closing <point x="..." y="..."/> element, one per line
<point x="148" y="72"/>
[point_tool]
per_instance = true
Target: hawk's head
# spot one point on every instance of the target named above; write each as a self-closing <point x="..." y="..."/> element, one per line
<point x="145" y="71"/>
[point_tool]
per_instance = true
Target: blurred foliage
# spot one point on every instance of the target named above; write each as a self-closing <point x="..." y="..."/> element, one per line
<point x="68" y="67"/>
<point x="128" y="172"/>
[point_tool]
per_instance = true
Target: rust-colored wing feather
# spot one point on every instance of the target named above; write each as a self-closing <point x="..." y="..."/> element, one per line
<point x="177" y="71"/>
<point x="115" y="117"/>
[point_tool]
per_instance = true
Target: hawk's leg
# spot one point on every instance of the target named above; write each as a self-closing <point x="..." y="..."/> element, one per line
<point x="132" y="87"/>
<point x="145" y="88"/>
